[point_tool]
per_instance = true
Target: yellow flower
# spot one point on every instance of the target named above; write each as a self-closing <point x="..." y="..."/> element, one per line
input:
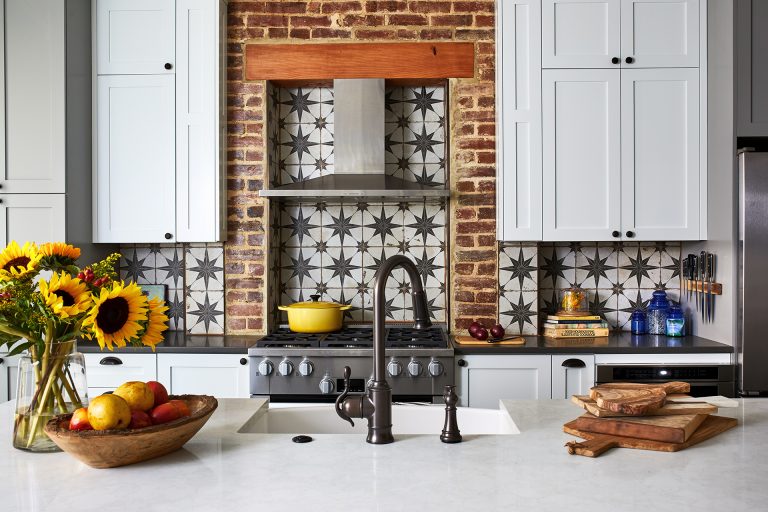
<point x="17" y="262"/>
<point x="60" y="250"/>
<point x="116" y="314"/>
<point x="157" y="323"/>
<point x="65" y="295"/>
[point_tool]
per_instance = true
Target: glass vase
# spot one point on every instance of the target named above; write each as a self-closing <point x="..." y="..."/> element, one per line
<point x="49" y="383"/>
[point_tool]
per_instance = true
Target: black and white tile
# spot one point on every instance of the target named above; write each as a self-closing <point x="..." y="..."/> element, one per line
<point x="205" y="312"/>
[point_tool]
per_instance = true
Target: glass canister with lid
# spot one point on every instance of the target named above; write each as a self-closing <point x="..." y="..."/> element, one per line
<point x="658" y="309"/>
<point x="675" y="321"/>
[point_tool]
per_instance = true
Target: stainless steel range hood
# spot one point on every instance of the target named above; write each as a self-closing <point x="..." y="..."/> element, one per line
<point x="358" y="152"/>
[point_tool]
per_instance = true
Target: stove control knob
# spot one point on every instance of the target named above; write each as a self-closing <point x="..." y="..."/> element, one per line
<point x="266" y="367"/>
<point x="326" y="385"/>
<point x="435" y="368"/>
<point x="394" y="368"/>
<point x="285" y="368"/>
<point x="306" y="368"/>
<point x="415" y="368"/>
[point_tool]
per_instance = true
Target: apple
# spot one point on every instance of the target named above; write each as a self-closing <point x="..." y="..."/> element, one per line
<point x="182" y="407"/>
<point x="161" y="394"/>
<point x="139" y="419"/>
<point x="497" y="331"/>
<point x="79" y="420"/>
<point x="164" y="413"/>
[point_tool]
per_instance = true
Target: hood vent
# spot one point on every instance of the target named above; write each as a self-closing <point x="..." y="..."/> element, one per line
<point x="358" y="152"/>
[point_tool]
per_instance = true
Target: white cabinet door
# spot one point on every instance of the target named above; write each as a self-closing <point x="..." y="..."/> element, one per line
<point x="580" y="33"/>
<point x="9" y="375"/>
<point x="582" y="154"/>
<point x="484" y="380"/>
<point x="660" y="33"/>
<point x="107" y="370"/>
<point x="134" y="37"/>
<point x="661" y="182"/>
<point x="35" y="218"/>
<point x="220" y="375"/>
<point x="572" y="375"/>
<point x="518" y="113"/>
<point x="199" y="137"/>
<point x="32" y="83"/>
<point x="135" y="159"/>
<point x="4" y="385"/>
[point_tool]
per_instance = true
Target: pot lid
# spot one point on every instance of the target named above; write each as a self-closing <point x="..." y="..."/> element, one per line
<point x="315" y="303"/>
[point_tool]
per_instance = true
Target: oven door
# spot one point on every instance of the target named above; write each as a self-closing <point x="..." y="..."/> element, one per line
<point x="705" y="379"/>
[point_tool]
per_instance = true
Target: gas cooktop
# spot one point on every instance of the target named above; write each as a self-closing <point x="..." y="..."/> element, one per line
<point x="356" y="337"/>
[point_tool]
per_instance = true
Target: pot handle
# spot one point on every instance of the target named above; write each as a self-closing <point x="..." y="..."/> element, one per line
<point x="345" y="307"/>
<point x="282" y="308"/>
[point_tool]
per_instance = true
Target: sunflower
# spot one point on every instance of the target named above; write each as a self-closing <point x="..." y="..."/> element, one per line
<point x="65" y="295"/>
<point x="116" y="315"/>
<point x="18" y="262"/>
<point x="156" y="324"/>
<point x="60" y="250"/>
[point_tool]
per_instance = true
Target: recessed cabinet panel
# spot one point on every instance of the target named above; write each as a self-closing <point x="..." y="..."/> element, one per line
<point x="135" y="37"/>
<point x="135" y="159"/>
<point x="580" y="33"/>
<point x="38" y="218"/>
<point x="484" y="380"/>
<point x="660" y="153"/>
<point x="660" y="33"/>
<point x="109" y="370"/>
<point x="581" y="140"/>
<point x="220" y="375"/>
<point x="572" y="375"/>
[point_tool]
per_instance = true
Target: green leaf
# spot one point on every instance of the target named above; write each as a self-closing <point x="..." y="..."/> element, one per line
<point x="18" y="349"/>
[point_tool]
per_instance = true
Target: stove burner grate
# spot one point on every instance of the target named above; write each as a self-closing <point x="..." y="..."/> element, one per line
<point x="356" y="337"/>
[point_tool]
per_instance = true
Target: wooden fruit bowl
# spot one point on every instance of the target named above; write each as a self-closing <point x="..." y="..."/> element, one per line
<point x="113" y="448"/>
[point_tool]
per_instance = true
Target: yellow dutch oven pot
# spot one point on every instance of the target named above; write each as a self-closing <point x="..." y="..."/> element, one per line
<point x="315" y="316"/>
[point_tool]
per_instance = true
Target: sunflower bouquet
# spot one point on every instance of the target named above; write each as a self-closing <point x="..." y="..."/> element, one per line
<point x="47" y="302"/>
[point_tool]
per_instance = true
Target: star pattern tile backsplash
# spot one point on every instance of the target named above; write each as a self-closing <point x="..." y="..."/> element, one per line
<point x="619" y="277"/>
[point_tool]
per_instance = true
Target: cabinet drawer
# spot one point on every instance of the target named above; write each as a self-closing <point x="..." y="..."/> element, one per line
<point x="109" y="370"/>
<point x="220" y="375"/>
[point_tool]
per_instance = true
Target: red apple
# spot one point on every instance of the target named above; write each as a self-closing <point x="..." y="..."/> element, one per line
<point x="182" y="407"/>
<point x="139" y="419"/>
<point x="161" y="394"/>
<point x="164" y="413"/>
<point x="79" y="420"/>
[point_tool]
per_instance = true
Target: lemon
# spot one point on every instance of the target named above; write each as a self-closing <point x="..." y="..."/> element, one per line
<point x="109" y="412"/>
<point x="138" y="395"/>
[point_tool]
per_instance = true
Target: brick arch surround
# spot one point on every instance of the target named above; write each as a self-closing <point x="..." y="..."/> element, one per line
<point x="473" y="287"/>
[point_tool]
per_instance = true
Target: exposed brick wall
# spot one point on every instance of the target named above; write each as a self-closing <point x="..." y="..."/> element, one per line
<point x="473" y="284"/>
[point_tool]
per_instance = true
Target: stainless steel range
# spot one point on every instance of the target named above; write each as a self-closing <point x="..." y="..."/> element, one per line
<point x="294" y="367"/>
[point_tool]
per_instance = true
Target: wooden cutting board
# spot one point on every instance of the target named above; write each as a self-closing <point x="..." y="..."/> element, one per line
<point x="669" y="388"/>
<point x="669" y="429"/>
<point x="634" y="399"/>
<point x="469" y="340"/>
<point x="597" y="444"/>
<point x="669" y="408"/>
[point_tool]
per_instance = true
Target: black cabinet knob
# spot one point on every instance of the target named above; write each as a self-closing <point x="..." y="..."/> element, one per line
<point x="615" y="234"/>
<point x="629" y="60"/>
<point x="462" y="363"/>
<point x="615" y="60"/>
<point x="243" y="361"/>
<point x="168" y="65"/>
<point x="630" y="234"/>
<point x="168" y="236"/>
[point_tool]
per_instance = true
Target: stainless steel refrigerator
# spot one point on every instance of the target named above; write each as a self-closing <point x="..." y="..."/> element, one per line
<point x="752" y="339"/>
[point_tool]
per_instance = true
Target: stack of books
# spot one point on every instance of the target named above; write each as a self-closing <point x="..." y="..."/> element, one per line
<point x="588" y="326"/>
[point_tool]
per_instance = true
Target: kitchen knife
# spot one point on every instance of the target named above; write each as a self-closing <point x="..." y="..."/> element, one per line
<point x="684" y="276"/>
<point x="695" y="291"/>
<point x="691" y="276"/>
<point x="702" y="269"/>
<point x="711" y="282"/>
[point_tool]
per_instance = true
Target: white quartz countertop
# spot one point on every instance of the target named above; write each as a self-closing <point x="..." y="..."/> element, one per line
<point x="221" y="469"/>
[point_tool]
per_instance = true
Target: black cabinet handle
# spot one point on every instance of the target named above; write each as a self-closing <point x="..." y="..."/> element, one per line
<point x="243" y="361"/>
<point x="630" y="234"/>
<point x="2" y="360"/>
<point x="629" y="60"/>
<point x="168" y="65"/>
<point x="168" y="236"/>
<point x="615" y="60"/>
<point x="574" y="363"/>
<point x="462" y="363"/>
<point x="615" y="234"/>
<point x="111" y="361"/>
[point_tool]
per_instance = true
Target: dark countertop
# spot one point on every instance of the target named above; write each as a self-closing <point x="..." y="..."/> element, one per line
<point x="620" y="343"/>
<point x="179" y="342"/>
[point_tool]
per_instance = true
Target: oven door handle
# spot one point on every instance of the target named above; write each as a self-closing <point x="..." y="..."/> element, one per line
<point x="574" y="363"/>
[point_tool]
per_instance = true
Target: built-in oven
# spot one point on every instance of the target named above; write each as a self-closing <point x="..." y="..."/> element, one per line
<point x="705" y="379"/>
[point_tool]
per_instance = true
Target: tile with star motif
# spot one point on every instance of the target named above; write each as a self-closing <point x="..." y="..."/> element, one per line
<point x="596" y="266"/>
<point x="372" y="260"/>
<point x="300" y="267"/>
<point x="342" y="225"/>
<point x="169" y="266"/>
<point x="176" y="310"/>
<point x="137" y="264"/>
<point x="393" y="104"/>
<point x="424" y="224"/>
<point x="299" y="144"/>
<point x="431" y="175"/>
<point x="300" y="225"/>
<point x="556" y="267"/>
<point x="424" y="104"/>
<point x="518" y="312"/>
<point x="299" y="105"/>
<point x="605" y="304"/>
<point x="205" y="312"/>
<point x="430" y="263"/>
<point x="629" y="302"/>
<point x="518" y="269"/>
<point x="669" y="274"/>
<point x="205" y="268"/>
<point x="326" y="103"/>
<point x="424" y="143"/>
<point x="639" y="266"/>
<point x="436" y="304"/>
<point x="341" y="267"/>
<point x="383" y="224"/>
<point x="347" y="296"/>
<point x="397" y="306"/>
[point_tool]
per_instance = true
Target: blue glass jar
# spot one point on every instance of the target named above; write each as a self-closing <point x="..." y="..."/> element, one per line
<point x="637" y="322"/>
<point x="657" y="313"/>
<point x="675" y="321"/>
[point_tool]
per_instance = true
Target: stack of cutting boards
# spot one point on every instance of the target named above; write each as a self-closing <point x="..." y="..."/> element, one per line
<point x="642" y="416"/>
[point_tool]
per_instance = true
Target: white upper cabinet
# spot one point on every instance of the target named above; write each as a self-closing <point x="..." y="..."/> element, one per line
<point x="660" y="33"/>
<point x="660" y="171"/>
<point x="582" y="153"/>
<point x="580" y="33"/>
<point x="38" y="218"/>
<point x="135" y="37"/>
<point x="32" y="80"/>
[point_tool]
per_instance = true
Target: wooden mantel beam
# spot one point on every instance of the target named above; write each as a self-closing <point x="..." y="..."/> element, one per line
<point x="326" y="61"/>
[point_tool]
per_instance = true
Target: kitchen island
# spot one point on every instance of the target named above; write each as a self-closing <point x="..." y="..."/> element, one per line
<point x="221" y="469"/>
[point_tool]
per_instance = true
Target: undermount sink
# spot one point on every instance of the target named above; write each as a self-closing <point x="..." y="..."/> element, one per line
<point x="406" y="420"/>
